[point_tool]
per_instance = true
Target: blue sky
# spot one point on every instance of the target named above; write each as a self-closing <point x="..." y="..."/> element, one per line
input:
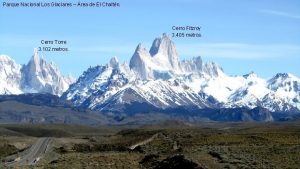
<point x="240" y="35"/>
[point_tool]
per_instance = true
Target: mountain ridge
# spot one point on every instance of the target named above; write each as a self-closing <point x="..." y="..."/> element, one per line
<point x="37" y="76"/>
<point x="157" y="81"/>
<point x="159" y="78"/>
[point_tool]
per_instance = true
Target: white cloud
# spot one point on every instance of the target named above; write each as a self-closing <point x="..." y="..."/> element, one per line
<point x="239" y="50"/>
<point x="280" y="13"/>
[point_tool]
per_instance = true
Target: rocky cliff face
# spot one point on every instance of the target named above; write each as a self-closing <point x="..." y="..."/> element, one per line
<point x="37" y="76"/>
<point x="157" y="80"/>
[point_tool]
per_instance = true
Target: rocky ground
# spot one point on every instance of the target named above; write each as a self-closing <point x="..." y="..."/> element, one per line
<point x="259" y="145"/>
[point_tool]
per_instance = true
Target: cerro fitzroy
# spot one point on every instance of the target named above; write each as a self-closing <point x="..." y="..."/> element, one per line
<point x="157" y="80"/>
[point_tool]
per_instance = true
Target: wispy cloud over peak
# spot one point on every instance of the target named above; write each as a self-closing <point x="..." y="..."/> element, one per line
<point x="280" y="13"/>
<point x="241" y="50"/>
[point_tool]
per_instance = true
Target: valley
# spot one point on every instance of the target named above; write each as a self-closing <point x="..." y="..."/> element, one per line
<point x="166" y="145"/>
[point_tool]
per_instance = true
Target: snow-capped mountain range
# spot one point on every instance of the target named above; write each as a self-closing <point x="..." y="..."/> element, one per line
<point x="37" y="76"/>
<point x="157" y="80"/>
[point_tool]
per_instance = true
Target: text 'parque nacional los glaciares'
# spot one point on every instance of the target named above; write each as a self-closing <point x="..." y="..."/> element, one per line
<point x="60" y="4"/>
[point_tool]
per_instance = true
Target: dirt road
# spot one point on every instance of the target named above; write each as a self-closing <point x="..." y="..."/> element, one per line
<point x="31" y="155"/>
<point x="144" y="142"/>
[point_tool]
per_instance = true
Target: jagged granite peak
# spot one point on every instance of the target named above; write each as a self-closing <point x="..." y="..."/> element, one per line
<point x="285" y="95"/>
<point x="81" y="89"/>
<point x="279" y="94"/>
<point x="212" y="69"/>
<point x="163" y="45"/>
<point x="282" y="75"/>
<point x="193" y="65"/>
<point x="114" y="62"/>
<point x="99" y="82"/>
<point x="139" y="62"/>
<point x="150" y="80"/>
<point x="10" y="76"/>
<point x="70" y="79"/>
<point x="35" y="77"/>
<point x="156" y="44"/>
<point x="41" y="77"/>
<point x="285" y="85"/>
<point x="4" y="59"/>
<point x="35" y="57"/>
<point x="250" y="75"/>
<point x="164" y="50"/>
<point x="162" y="62"/>
<point x="284" y="79"/>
